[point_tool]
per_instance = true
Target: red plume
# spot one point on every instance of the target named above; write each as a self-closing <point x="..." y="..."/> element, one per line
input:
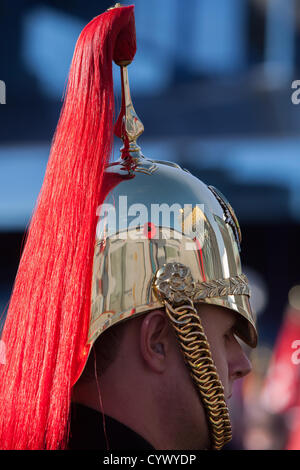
<point x="47" y="322"/>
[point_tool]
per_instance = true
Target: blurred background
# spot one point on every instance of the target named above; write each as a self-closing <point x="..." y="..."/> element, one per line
<point x="212" y="83"/>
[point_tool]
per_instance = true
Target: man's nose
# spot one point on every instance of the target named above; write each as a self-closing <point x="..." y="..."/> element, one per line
<point x="240" y="364"/>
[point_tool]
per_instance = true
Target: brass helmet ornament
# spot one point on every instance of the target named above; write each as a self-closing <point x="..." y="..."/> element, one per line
<point x="166" y="239"/>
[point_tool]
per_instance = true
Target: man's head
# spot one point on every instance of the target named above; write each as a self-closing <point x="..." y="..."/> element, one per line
<point x="145" y="383"/>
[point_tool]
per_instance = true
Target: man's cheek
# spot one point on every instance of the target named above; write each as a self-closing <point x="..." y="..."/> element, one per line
<point x="222" y="369"/>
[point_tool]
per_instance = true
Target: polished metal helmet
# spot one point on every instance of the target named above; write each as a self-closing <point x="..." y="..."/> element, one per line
<point x="167" y="240"/>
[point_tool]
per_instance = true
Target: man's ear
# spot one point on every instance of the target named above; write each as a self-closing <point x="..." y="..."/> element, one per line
<point x="155" y="340"/>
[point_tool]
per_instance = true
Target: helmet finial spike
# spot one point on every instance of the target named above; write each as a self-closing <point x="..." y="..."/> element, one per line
<point x="128" y="126"/>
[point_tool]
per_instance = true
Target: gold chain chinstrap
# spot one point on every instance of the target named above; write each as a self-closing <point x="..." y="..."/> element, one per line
<point x="176" y="288"/>
<point x="195" y="348"/>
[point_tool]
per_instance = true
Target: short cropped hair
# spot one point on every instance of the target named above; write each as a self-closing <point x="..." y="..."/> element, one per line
<point x="104" y="351"/>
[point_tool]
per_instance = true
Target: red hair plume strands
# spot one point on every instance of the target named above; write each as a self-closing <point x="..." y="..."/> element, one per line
<point x="47" y="322"/>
